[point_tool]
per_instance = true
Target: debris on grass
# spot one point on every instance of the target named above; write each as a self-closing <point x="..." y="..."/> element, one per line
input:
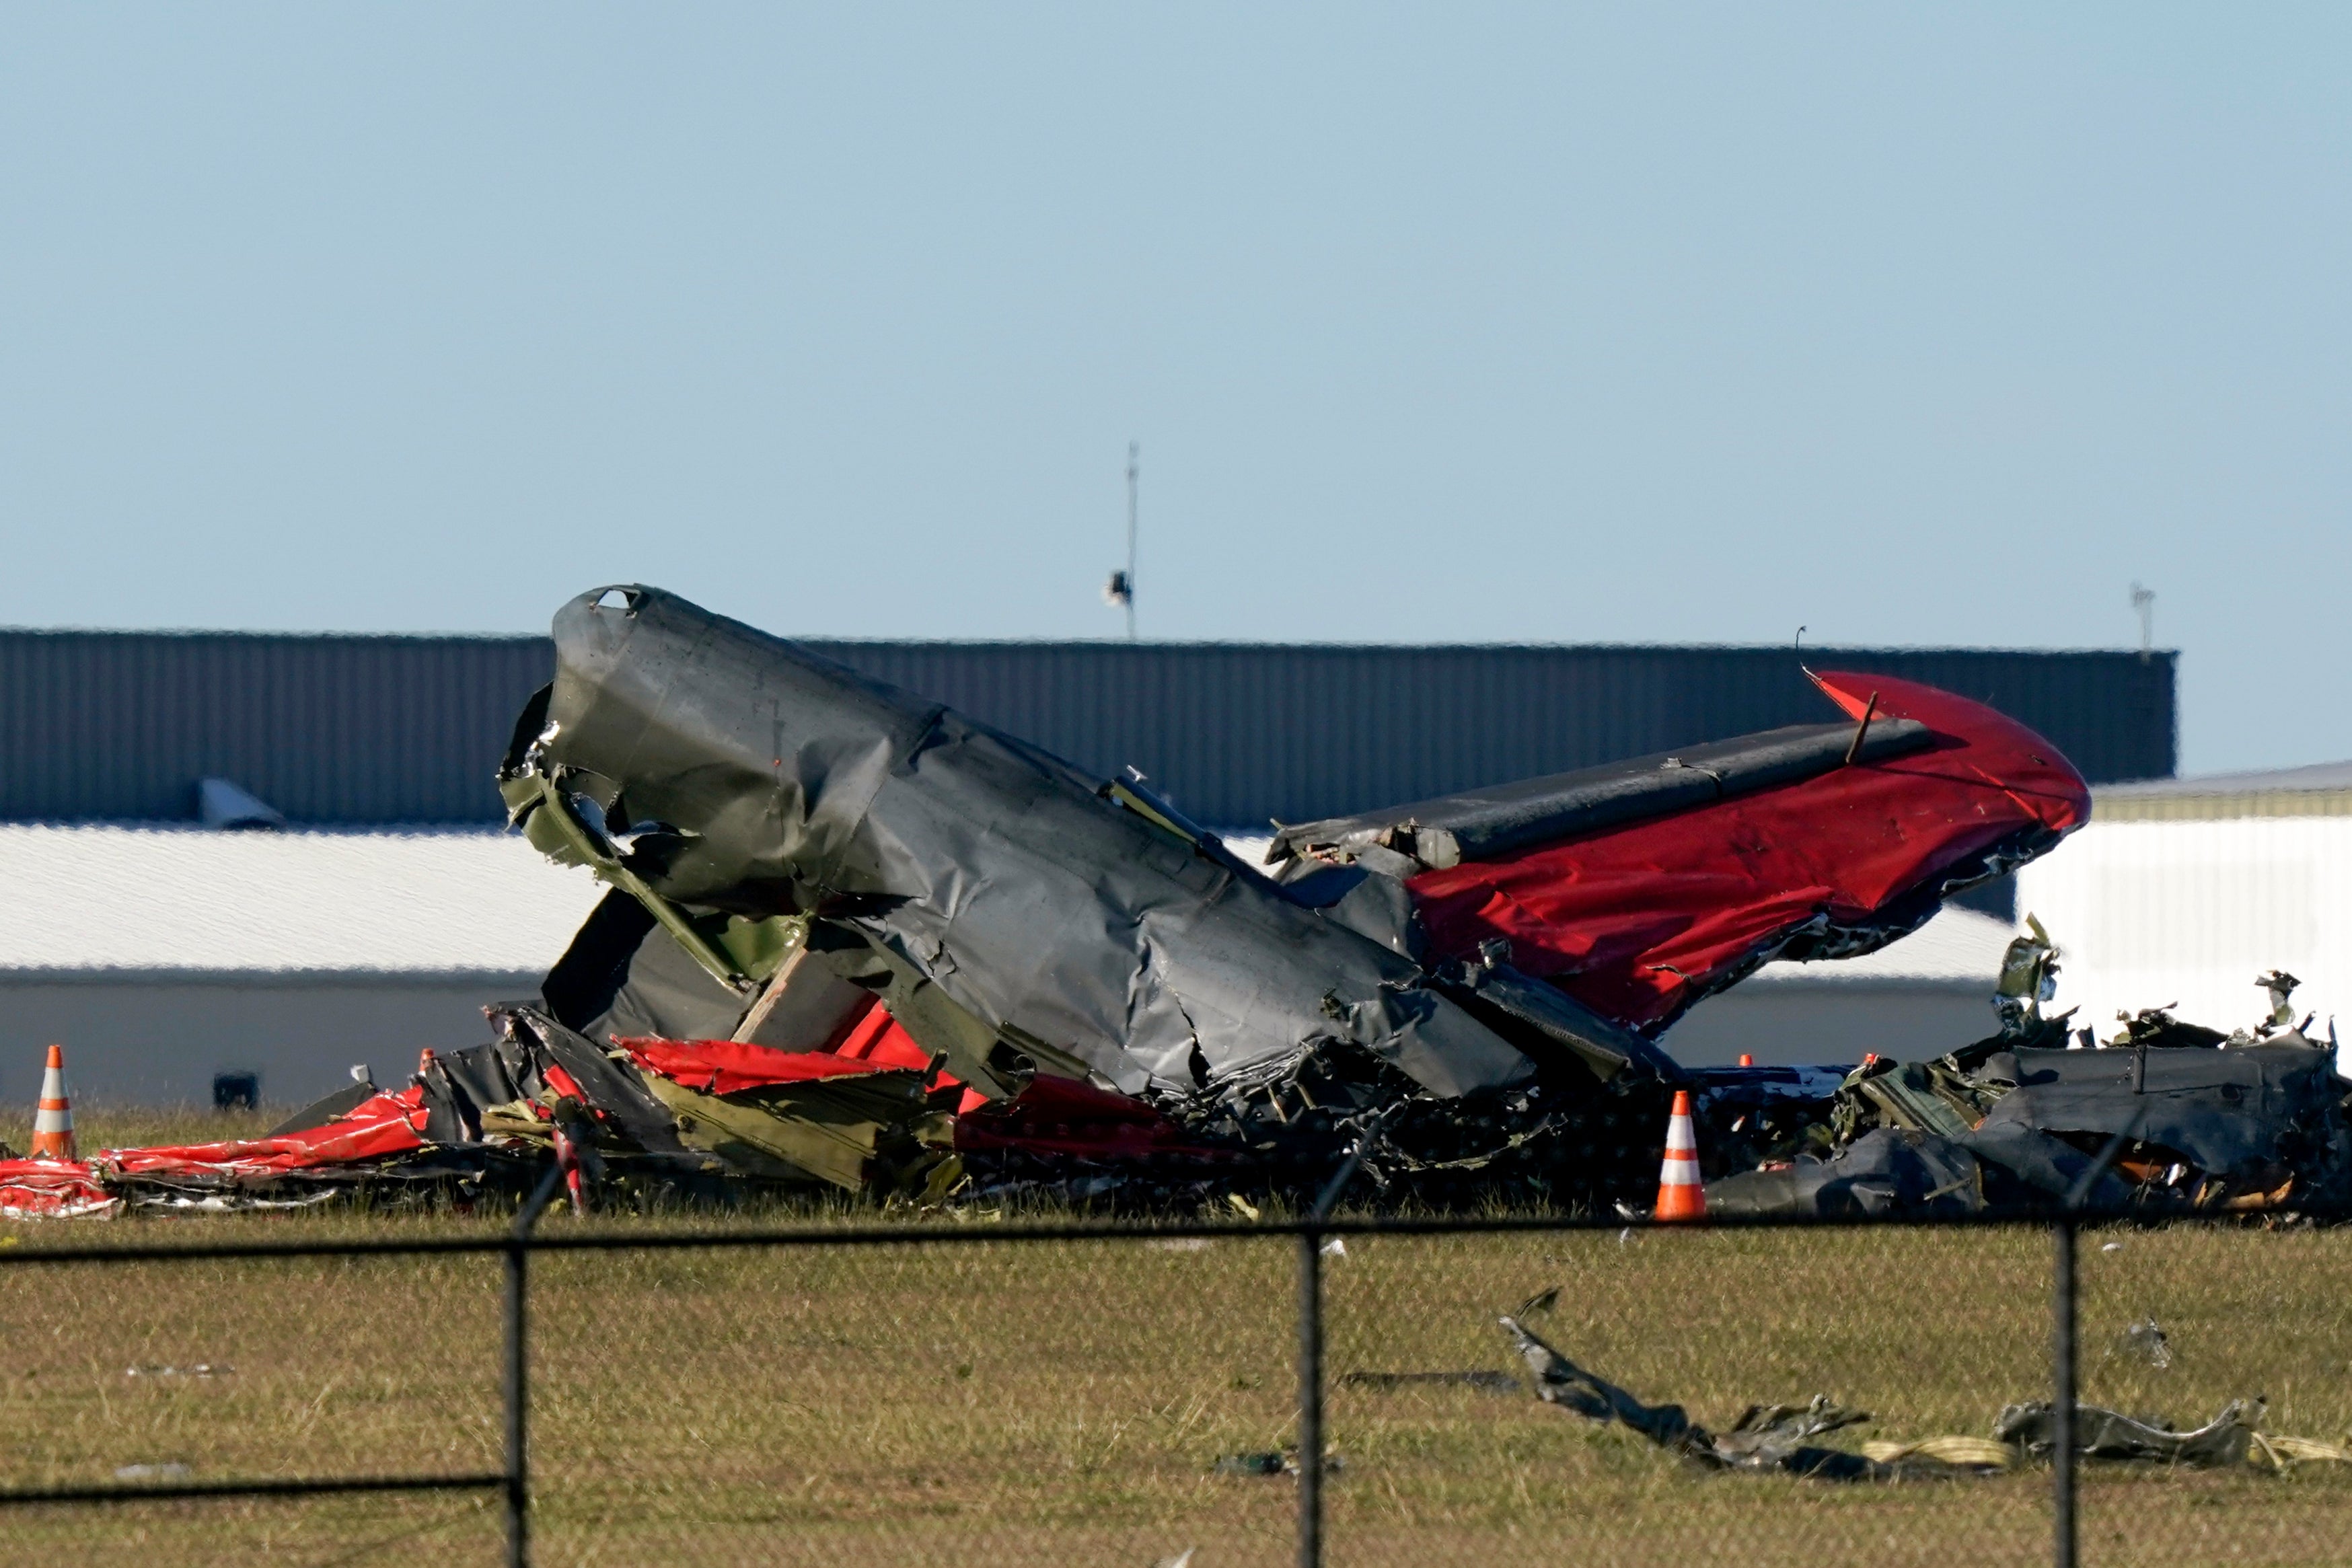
<point x="1779" y="1438"/>
<point x="2144" y="1341"/>
<point x="1271" y="1462"/>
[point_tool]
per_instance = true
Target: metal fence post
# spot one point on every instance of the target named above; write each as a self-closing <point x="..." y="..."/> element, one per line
<point x="1310" y="1398"/>
<point x="517" y="1348"/>
<point x="1310" y="1345"/>
<point x="517" y="1469"/>
<point x="2062" y="1393"/>
<point x="2061" y="1345"/>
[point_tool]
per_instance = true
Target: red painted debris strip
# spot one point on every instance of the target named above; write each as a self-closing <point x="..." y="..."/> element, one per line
<point x="392" y="1123"/>
<point x="875" y="1036"/>
<point x="53" y="1189"/>
<point x="1057" y="1116"/>
<point x="878" y="1038"/>
<point x="732" y="1066"/>
<point x="1053" y="1117"/>
<point x="387" y="1125"/>
<point x="1639" y="922"/>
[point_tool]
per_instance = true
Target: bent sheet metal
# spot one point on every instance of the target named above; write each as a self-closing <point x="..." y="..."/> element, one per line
<point x="2250" y="1121"/>
<point x="809" y="840"/>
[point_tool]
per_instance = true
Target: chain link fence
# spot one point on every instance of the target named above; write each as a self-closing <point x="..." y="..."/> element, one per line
<point x="1013" y="1391"/>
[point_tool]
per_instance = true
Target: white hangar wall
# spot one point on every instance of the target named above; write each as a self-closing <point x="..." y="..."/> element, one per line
<point x="2180" y="910"/>
<point x="159" y="957"/>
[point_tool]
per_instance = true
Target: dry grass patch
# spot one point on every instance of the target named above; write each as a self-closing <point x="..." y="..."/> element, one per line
<point x="1003" y="1402"/>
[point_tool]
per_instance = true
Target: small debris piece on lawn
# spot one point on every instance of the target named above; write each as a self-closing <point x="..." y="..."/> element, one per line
<point x="201" y="1369"/>
<point x="1270" y="1463"/>
<point x="1765" y="1437"/>
<point x="1543" y="1301"/>
<point x="2103" y="1434"/>
<point x="2144" y="1341"/>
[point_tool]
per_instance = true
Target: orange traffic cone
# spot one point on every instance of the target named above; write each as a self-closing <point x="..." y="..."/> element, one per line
<point x="1680" y="1196"/>
<point x="53" y="1133"/>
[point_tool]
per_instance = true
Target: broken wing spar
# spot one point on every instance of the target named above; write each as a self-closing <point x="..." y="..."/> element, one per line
<point x="1023" y="918"/>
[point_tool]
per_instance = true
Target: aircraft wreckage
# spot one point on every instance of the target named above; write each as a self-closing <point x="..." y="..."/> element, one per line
<point x="856" y="940"/>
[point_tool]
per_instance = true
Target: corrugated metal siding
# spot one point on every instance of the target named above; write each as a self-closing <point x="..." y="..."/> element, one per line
<point x="1238" y="733"/>
<point x="118" y="725"/>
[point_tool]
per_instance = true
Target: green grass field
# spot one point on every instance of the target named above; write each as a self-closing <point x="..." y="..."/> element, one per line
<point x="1011" y="1403"/>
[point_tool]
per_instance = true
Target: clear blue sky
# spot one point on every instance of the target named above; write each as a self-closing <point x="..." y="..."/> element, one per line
<point x="1923" y="325"/>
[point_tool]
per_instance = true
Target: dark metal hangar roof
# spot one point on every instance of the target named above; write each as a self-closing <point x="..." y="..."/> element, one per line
<point x="372" y="730"/>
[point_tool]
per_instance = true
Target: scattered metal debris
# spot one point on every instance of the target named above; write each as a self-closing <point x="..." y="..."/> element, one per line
<point x="1271" y="1462"/>
<point x="201" y="1369"/>
<point x="170" y="1470"/>
<point x="2102" y="1434"/>
<point x="1782" y="1439"/>
<point x="2246" y="1122"/>
<point x="1774" y="1438"/>
<point x="858" y="943"/>
<point x="2144" y="1341"/>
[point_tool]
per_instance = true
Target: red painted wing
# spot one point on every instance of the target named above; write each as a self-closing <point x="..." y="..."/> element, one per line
<point x="1641" y="921"/>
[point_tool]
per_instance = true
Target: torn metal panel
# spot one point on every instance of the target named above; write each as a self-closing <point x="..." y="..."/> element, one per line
<point x="2102" y="1434"/>
<point x="731" y="771"/>
<point x="801" y="1115"/>
<point x="567" y="1065"/>
<point x="1883" y="1173"/>
<point x="2234" y="1112"/>
<point x="54" y="1190"/>
<point x="388" y="1123"/>
<point x="325" y="1109"/>
<point x="1606" y="1049"/>
<point x="624" y="975"/>
<point x="1923" y="1096"/>
<point x="1766" y="1437"/>
<point x="2029" y="977"/>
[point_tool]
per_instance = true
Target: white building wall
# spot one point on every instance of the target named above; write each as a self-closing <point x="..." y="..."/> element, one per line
<point x="2189" y="911"/>
<point x="139" y="1041"/>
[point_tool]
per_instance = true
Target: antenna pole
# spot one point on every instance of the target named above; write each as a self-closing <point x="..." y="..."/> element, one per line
<point x="1134" y="473"/>
<point x="2144" y="600"/>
